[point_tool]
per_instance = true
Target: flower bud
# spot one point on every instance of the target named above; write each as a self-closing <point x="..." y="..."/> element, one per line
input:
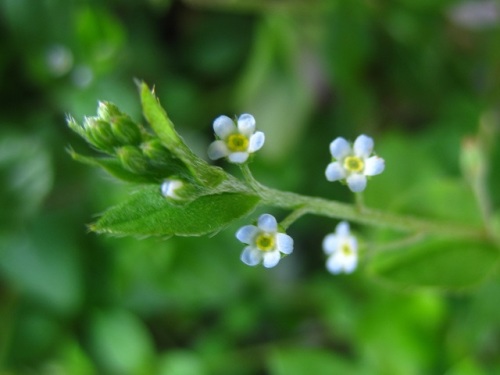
<point x="154" y="150"/>
<point x="100" y="134"/>
<point x="178" y="190"/>
<point x="132" y="159"/>
<point x="160" y="158"/>
<point x="108" y="111"/>
<point x="126" y="131"/>
<point x="170" y="187"/>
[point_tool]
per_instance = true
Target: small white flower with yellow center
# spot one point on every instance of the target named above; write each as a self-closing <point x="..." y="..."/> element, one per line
<point x="265" y="243"/>
<point x="236" y="142"/>
<point x="342" y="250"/>
<point x="169" y="188"/>
<point x="353" y="164"/>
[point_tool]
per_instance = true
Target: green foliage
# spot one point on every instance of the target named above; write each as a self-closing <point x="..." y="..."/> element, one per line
<point x="147" y="212"/>
<point x="435" y="262"/>
<point x="417" y="76"/>
<point x="27" y="175"/>
<point x="121" y="342"/>
<point x="164" y="129"/>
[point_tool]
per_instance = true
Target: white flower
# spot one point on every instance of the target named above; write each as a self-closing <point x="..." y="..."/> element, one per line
<point x="353" y="164"/>
<point x="235" y="142"/>
<point x="342" y="250"/>
<point x="169" y="188"/>
<point x="264" y="242"/>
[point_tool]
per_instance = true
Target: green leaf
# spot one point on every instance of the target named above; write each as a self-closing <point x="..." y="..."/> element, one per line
<point x="164" y="129"/>
<point x="149" y="213"/>
<point x="121" y="342"/>
<point x="446" y="263"/>
<point x="298" y="361"/>
<point x="158" y="118"/>
<point x="110" y="165"/>
<point x="26" y="172"/>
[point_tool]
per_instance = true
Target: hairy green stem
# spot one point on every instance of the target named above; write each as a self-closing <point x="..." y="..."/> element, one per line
<point x="293" y="217"/>
<point x="338" y="210"/>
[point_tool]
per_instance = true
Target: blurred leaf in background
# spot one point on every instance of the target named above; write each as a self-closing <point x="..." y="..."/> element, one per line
<point x="418" y="76"/>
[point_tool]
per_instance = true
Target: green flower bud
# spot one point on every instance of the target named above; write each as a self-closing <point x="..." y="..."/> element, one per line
<point x="126" y="131"/>
<point x="100" y="134"/>
<point x="161" y="159"/>
<point x="154" y="150"/>
<point x="132" y="159"/>
<point x="108" y="111"/>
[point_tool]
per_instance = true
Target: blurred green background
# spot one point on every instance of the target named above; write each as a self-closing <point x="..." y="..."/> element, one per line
<point x="417" y="75"/>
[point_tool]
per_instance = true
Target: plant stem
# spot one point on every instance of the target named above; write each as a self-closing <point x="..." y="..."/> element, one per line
<point x="338" y="210"/>
<point x="293" y="217"/>
<point x="360" y="203"/>
<point x="249" y="178"/>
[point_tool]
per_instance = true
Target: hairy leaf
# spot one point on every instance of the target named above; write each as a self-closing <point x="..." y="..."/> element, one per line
<point x="445" y="263"/>
<point x="149" y="213"/>
<point x="164" y="129"/>
<point x="158" y="118"/>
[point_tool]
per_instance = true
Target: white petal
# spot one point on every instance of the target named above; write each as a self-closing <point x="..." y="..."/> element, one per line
<point x="334" y="263"/>
<point x="271" y="258"/>
<point x="340" y="148"/>
<point x="349" y="263"/>
<point x="374" y="165"/>
<point x="247" y="233"/>
<point x="335" y="171"/>
<point x="284" y="243"/>
<point x="356" y="182"/>
<point x="246" y="124"/>
<point x="224" y="126"/>
<point x="256" y="141"/>
<point x="342" y="229"/>
<point x="251" y="256"/>
<point x="267" y="223"/>
<point x="238" y="157"/>
<point x="217" y="150"/>
<point x="168" y="188"/>
<point x="363" y="146"/>
<point x="339" y="262"/>
<point x="330" y="243"/>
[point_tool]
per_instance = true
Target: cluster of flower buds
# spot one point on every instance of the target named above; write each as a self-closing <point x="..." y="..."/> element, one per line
<point x="129" y="146"/>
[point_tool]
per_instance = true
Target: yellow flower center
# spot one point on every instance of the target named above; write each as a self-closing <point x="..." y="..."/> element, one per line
<point x="237" y="142"/>
<point x="265" y="242"/>
<point x="353" y="164"/>
<point x="346" y="249"/>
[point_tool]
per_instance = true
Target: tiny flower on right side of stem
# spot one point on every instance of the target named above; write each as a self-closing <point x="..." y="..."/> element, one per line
<point x="341" y="247"/>
<point x="353" y="164"/>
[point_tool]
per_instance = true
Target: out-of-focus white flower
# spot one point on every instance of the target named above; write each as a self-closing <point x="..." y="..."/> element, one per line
<point x="59" y="60"/>
<point x="169" y="187"/>
<point x="342" y="250"/>
<point x="353" y="164"/>
<point x="265" y="243"/>
<point x="476" y="15"/>
<point x="235" y="141"/>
